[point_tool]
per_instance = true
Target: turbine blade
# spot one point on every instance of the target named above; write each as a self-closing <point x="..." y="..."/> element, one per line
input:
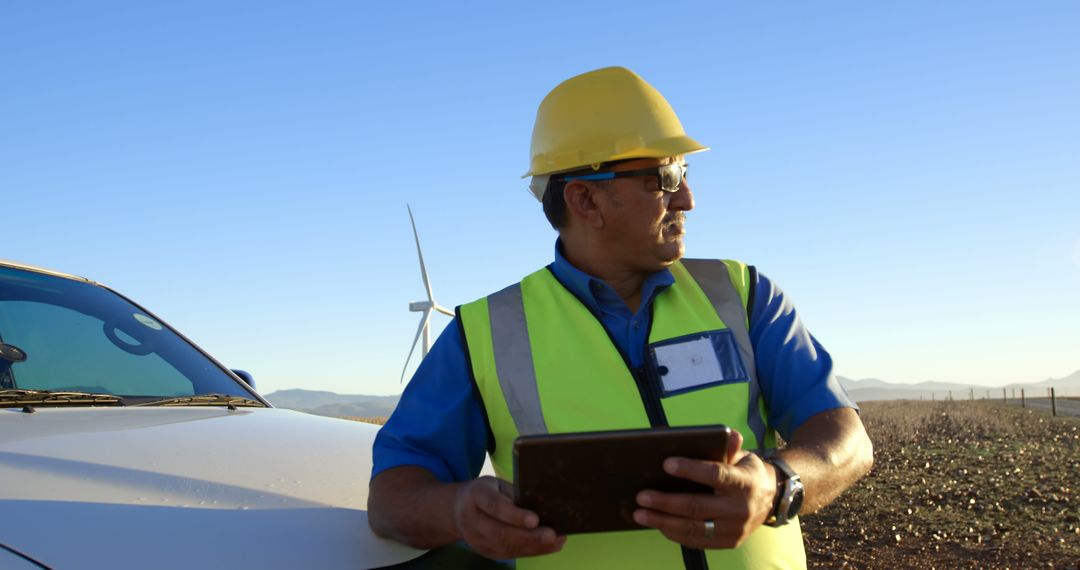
<point x="420" y="254"/>
<point x="444" y="310"/>
<point x="419" y="331"/>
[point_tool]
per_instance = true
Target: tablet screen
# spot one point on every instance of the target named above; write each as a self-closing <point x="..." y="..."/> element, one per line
<point x="587" y="482"/>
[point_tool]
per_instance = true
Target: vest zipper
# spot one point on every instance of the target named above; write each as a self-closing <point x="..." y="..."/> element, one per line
<point x="649" y="380"/>
<point x="650" y="396"/>
<point x="694" y="559"/>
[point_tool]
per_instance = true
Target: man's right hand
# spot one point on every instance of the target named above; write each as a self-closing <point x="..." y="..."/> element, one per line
<point x="488" y="520"/>
<point x="410" y="505"/>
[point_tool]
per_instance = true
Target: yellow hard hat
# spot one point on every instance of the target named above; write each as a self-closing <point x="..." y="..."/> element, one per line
<point x="604" y="115"/>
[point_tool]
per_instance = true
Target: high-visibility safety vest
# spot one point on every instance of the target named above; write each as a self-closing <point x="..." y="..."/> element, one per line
<point x="543" y="363"/>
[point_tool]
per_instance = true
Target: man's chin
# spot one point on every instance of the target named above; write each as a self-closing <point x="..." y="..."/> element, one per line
<point x="672" y="251"/>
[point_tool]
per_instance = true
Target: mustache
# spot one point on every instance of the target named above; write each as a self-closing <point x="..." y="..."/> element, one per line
<point x="676" y="219"/>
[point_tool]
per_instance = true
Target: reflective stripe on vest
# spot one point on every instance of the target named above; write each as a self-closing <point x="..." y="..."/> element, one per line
<point x="544" y="364"/>
<point x="514" y="361"/>
<point x="712" y="277"/>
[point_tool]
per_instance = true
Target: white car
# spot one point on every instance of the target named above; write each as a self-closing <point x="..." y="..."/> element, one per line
<point x="123" y="445"/>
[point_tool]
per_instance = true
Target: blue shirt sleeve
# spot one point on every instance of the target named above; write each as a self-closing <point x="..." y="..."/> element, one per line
<point x="439" y="423"/>
<point x="795" y="371"/>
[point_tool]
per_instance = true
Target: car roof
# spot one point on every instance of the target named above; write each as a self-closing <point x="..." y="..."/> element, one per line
<point x="36" y="269"/>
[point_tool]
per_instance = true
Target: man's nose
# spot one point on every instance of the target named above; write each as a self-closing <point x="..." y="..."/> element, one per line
<point x="683" y="199"/>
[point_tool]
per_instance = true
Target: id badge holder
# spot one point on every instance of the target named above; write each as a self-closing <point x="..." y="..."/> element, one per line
<point x="697" y="361"/>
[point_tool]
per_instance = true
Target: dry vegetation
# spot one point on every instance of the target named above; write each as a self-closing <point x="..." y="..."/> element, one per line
<point x="378" y="420"/>
<point x="957" y="485"/>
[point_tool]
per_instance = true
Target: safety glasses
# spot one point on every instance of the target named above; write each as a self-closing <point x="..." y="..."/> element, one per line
<point x="670" y="175"/>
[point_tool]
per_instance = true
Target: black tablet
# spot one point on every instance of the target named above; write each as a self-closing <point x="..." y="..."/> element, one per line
<point x="587" y="482"/>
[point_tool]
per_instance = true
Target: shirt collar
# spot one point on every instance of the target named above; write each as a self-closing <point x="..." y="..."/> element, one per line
<point x="594" y="292"/>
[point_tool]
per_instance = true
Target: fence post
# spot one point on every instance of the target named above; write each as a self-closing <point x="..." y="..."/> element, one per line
<point x="932" y="399"/>
<point x="950" y="395"/>
<point x="971" y="395"/>
<point x="988" y="394"/>
<point x="1014" y="393"/>
<point x="1004" y="396"/>
<point x="1053" y="402"/>
<point x="1022" y="403"/>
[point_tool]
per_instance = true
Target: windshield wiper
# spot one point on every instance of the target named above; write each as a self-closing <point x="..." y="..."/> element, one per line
<point x="207" y="400"/>
<point x="15" y="397"/>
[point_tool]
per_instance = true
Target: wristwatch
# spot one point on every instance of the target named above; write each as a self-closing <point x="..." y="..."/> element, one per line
<point x="789" y="493"/>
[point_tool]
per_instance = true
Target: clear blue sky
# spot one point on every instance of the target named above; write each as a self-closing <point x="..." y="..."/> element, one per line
<point x="909" y="173"/>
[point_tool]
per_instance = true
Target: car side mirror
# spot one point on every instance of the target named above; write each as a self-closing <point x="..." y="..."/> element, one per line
<point x="246" y="377"/>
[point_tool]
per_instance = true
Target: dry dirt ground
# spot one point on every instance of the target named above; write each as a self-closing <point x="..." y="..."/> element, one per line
<point x="957" y="485"/>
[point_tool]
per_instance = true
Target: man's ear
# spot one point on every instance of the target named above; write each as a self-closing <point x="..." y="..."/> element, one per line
<point x="581" y="204"/>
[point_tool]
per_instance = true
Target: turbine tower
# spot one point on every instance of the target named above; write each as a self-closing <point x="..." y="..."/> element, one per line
<point x="425" y="307"/>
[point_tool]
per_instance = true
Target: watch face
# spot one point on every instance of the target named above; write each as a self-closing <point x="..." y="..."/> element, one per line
<point x="796" y="501"/>
<point x="790" y="498"/>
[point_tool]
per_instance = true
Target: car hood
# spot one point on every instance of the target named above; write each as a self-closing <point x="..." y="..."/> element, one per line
<point x="174" y="487"/>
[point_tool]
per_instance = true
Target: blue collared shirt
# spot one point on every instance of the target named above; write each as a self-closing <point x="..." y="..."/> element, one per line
<point x="439" y="422"/>
<point x="630" y="331"/>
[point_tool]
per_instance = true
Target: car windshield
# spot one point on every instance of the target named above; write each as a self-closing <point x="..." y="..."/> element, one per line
<point x="63" y="335"/>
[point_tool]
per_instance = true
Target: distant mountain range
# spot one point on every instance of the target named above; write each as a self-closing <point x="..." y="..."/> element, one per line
<point x="874" y="389"/>
<point x="333" y="404"/>
<point x="325" y="403"/>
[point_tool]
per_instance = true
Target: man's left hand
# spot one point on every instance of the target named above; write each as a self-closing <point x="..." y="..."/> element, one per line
<point x="744" y="491"/>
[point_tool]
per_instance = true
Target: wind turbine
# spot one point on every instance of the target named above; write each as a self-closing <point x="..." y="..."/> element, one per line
<point x="426" y="307"/>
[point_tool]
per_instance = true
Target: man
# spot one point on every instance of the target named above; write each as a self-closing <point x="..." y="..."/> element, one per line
<point x="578" y="346"/>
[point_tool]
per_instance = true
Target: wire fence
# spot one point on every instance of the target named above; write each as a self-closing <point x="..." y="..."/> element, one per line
<point x="1066" y="400"/>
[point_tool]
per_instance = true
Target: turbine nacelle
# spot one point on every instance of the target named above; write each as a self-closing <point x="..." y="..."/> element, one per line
<point x="420" y="306"/>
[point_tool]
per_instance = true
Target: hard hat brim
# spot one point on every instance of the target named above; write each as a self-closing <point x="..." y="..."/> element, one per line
<point x="673" y="146"/>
